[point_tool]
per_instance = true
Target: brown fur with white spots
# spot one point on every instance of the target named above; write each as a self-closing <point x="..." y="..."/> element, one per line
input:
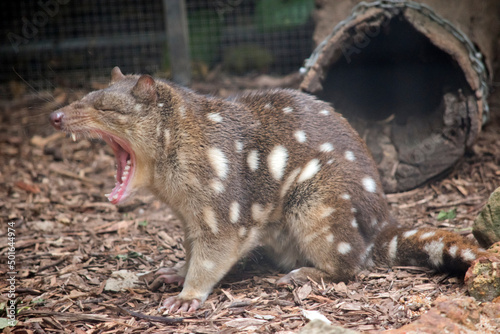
<point x="276" y="168"/>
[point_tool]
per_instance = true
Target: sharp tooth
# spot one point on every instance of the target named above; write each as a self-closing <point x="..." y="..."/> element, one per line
<point x="115" y="197"/>
<point x="125" y="173"/>
<point x="107" y="195"/>
<point x="127" y="167"/>
<point x="129" y="163"/>
<point x="73" y="136"/>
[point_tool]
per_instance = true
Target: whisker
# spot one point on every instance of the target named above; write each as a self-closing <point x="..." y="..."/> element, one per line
<point x="30" y="86"/>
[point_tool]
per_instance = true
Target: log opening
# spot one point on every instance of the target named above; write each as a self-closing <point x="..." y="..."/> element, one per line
<point x="398" y="74"/>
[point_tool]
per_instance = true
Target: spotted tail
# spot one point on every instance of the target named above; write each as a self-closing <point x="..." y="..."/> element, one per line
<point x="426" y="247"/>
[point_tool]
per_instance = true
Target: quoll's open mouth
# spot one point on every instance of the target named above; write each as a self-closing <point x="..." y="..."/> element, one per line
<point x="125" y="168"/>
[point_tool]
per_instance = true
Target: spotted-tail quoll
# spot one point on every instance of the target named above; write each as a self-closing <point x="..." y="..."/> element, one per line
<point x="275" y="168"/>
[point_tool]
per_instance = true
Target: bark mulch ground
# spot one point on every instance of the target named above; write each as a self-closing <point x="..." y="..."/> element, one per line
<point x="69" y="241"/>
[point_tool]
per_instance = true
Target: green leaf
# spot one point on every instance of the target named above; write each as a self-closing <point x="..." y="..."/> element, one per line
<point x="143" y="223"/>
<point x="133" y="255"/>
<point x="443" y="215"/>
<point x="38" y="301"/>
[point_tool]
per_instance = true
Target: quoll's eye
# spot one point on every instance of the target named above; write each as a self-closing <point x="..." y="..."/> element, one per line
<point x="107" y="109"/>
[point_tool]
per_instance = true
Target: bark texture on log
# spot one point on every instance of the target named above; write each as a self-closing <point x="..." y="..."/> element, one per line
<point x="405" y="82"/>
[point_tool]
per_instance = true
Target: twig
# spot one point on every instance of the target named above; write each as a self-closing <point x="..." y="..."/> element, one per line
<point x="165" y="320"/>
<point x="67" y="316"/>
<point x="50" y="265"/>
<point x="75" y="176"/>
<point x="465" y="201"/>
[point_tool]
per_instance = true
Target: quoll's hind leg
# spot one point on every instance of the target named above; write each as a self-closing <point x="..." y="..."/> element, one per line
<point x="303" y="275"/>
<point x="329" y="241"/>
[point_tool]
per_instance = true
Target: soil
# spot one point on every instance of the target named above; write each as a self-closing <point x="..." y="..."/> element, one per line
<point x="69" y="241"/>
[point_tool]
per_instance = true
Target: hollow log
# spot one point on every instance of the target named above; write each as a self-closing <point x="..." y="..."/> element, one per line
<point x="411" y="79"/>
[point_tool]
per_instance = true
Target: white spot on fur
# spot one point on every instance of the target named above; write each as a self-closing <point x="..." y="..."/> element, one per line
<point x="344" y="248"/>
<point x="427" y="235"/>
<point x="326" y="147"/>
<point x="217" y="186"/>
<point x="325" y="112"/>
<point x="325" y="212"/>
<point x="158" y="131"/>
<point x="167" y="137"/>
<point x="268" y="106"/>
<point x="369" y="184"/>
<point x="182" y="111"/>
<point x="138" y="107"/>
<point x="218" y="161"/>
<point x="209" y="265"/>
<point x="393" y="248"/>
<point x="310" y="169"/>
<point x="276" y="161"/>
<point x="453" y="250"/>
<point x="435" y="251"/>
<point x="160" y="105"/>
<point x="210" y="219"/>
<point x="234" y="212"/>
<point x="349" y="155"/>
<point x="238" y="145"/>
<point x="242" y="231"/>
<point x="289" y="181"/>
<point x="354" y="210"/>
<point x="329" y="237"/>
<point x="300" y="136"/>
<point x="354" y="223"/>
<point x="259" y="213"/>
<point x="468" y="255"/>
<point x="215" y="117"/>
<point x="329" y="162"/>
<point x="410" y="233"/>
<point x="287" y="110"/>
<point x="374" y="222"/>
<point x="253" y="160"/>
<point x="345" y="196"/>
<point x="311" y="237"/>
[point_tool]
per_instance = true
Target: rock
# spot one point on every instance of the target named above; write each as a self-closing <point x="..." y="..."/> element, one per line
<point x="483" y="279"/>
<point x="455" y="315"/>
<point x="321" y="327"/>
<point x="486" y="227"/>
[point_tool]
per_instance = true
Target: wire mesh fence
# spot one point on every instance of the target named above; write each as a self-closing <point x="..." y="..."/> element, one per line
<point x="50" y="43"/>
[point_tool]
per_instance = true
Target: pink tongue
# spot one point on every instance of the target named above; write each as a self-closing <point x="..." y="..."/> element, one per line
<point x="121" y="159"/>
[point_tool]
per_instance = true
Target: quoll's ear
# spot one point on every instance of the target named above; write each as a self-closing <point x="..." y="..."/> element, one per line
<point x="116" y="75"/>
<point x="145" y="89"/>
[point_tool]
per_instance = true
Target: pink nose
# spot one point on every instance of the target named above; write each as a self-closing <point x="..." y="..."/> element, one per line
<point x="56" y="119"/>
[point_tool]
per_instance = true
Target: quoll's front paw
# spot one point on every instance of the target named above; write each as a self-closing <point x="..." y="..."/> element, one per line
<point x="178" y="305"/>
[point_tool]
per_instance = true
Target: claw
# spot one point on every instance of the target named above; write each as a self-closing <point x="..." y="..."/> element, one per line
<point x="170" y="275"/>
<point x="176" y="305"/>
